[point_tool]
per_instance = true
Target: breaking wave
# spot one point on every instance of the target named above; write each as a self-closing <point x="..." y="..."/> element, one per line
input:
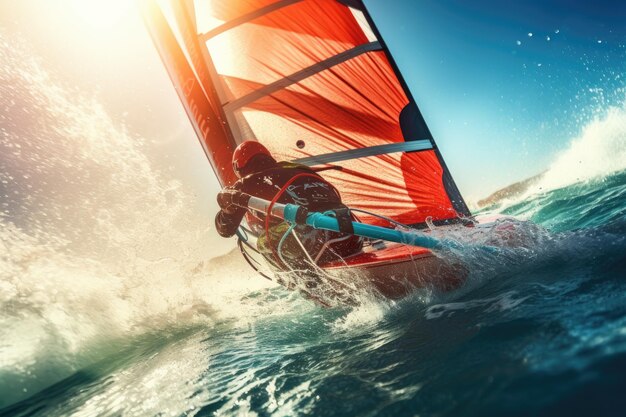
<point x="600" y="150"/>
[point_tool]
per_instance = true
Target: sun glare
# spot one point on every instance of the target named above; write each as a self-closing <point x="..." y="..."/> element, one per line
<point x="100" y="14"/>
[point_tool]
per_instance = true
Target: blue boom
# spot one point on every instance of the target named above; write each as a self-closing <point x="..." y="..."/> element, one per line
<point x="293" y="213"/>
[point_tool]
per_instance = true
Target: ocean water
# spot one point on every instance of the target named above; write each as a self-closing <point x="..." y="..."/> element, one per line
<point x="111" y="305"/>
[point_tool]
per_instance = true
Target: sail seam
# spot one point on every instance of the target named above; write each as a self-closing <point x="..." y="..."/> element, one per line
<point x="302" y="74"/>
<point x="327" y="158"/>
<point x="246" y="18"/>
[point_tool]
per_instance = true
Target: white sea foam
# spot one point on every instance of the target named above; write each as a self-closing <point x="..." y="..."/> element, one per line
<point x="502" y="302"/>
<point x="369" y="312"/>
<point x="598" y="151"/>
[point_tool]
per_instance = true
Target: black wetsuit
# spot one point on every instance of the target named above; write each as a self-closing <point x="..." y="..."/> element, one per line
<point x="311" y="191"/>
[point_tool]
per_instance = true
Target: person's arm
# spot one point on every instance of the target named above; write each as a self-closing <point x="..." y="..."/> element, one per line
<point x="229" y="217"/>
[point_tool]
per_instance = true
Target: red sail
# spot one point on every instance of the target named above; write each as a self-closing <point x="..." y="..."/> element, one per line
<point x="310" y="80"/>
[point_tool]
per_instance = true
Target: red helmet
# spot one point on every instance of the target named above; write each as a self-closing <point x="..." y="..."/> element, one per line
<point x="244" y="153"/>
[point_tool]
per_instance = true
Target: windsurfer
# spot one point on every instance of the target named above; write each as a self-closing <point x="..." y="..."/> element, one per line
<point x="260" y="175"/>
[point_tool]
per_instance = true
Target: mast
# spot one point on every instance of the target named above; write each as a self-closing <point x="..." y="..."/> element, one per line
<point x="193" y="84"/>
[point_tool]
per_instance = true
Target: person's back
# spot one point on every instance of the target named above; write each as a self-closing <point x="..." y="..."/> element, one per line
<point x="263" y="177"/>
<point x="306" y="187"/>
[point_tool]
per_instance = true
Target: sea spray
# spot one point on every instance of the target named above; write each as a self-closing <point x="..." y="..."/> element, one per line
<point x="97" y="246"/>
<point x="596" y="153"/>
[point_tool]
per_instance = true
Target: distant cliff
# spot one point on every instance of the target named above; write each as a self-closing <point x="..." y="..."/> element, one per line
<point x="510" y="191"/>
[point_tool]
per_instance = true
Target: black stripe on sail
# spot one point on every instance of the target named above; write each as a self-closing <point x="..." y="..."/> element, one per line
<point x="327" y="158"/>
<point x="246" y="18"/>
<point x="302" y="74"/>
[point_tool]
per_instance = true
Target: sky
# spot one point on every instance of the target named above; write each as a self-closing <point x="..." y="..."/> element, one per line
<point x="504" y="86"/>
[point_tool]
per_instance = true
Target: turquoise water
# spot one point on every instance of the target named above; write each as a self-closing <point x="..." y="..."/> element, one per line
<point x="109" y="304"/>
<point x="546" y="336"/>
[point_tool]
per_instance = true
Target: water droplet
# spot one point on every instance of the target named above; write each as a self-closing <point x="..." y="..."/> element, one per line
<point x="556" y="31"/>
<point x="548" y="38"/>
<point x="530" y="34"/>
<point x="518" y="43"/>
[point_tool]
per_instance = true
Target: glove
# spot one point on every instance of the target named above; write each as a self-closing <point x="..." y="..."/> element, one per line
<point x="226" y="200"/>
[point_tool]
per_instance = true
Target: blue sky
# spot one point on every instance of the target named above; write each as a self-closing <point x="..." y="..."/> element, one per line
<point x="504" y="86"/>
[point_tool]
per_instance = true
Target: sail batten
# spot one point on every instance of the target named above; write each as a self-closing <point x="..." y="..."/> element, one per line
<point x="246" y="18"/>
<point x="413" y="146"/>
<point x="302" y="74"/>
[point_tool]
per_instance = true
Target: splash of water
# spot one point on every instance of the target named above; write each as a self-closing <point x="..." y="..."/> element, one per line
<point x="96" y="245"/>
<point x="597" y="152"/>
<point x="600" y="150"/>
